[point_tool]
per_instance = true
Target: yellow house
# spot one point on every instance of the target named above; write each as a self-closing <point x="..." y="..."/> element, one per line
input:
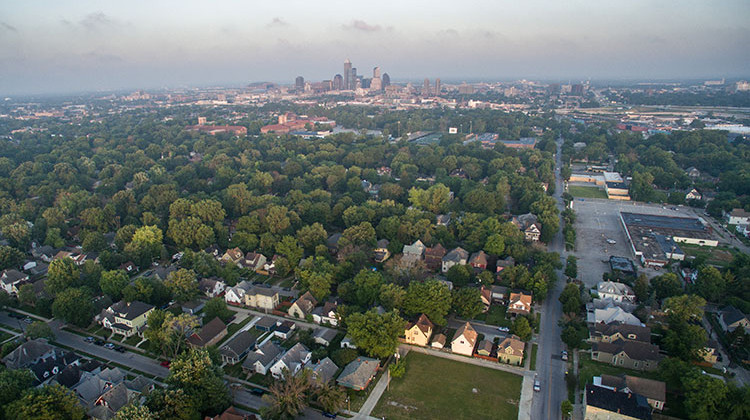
<point x="126" y="318"/>
<point x="419" y="333"/>
<point x="510" y="350"/>
<point x="262" y="298"/>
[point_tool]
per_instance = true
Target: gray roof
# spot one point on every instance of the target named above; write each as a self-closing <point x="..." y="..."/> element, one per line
<point x="238" y="345"/>
<point x="358" y="373"/>
<point x="325" y="333"/>
<point x="635" y="350"/>
<point x="131" y="310"/>
<point x="11" y="276"/>
<point x="265" y="354"/>
<point x="27" y="353"/>
<point x="456" y="255"/>
<point x="730" y="315"/>
<point x="324" y="370"/>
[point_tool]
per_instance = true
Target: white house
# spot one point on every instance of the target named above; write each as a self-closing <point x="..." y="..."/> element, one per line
<point x="618" y="292"/>
<point x="236" y="295"/>
<point x="11" y="279"/>
<point x="737" y="217"/>
<point x="464" y="340"/>
<point x="212" y="287"/>
<point x="293" y="360"/>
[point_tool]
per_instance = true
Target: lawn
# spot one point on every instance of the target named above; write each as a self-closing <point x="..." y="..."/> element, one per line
<point x="532" y="364"/>
<point x="719" y="256"/>
<point x="437" y="388"/>
<point x="495" y="316"/>
<point x="588" y="368"/>
<point x="586" y="192"/>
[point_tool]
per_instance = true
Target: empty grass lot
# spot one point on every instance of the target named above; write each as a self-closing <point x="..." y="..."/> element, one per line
<point x="586" y="192"/>
<point x="437" y="388"/>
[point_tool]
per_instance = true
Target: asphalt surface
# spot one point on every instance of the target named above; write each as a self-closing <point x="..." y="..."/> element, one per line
<point x="550" y="369"/>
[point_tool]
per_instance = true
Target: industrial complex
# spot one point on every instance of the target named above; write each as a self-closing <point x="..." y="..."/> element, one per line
<point x="655" y="240"/>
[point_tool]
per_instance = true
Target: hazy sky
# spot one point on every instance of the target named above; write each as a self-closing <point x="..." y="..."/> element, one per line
<point x="61" y="46"/>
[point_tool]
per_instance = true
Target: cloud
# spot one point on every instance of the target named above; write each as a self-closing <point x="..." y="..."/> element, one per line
<point x="8" y="27"/>
<point x="277" y="22"/>
<point x="361" y="25"/>
<point x="96" y="20"/>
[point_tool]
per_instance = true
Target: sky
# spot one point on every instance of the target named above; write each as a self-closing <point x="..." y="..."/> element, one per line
<point x="58" y="46"/>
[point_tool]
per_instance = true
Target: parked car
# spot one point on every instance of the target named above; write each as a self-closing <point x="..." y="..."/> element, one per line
<point x="537" y="386"/>
<point x="503" y="329"/>
<point x="109" y="346"/>
<point x="99" y="342"/>
<point x="564" y="355"/>
<point x="89" y="339"/>
<point x="120" y="349"/>
<point x="257" y="391"/>
<point x="28" y="320"/>
<point x="611" y="241"/>
<point x="329" y="415"/>
<point x="165" y="364"/>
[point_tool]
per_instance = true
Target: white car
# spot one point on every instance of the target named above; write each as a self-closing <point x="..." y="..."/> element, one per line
<point x="503" y="329"/>
<point x="537" y="386"/>
<point x="611" y="241"/>
<point x="109" y="346"/>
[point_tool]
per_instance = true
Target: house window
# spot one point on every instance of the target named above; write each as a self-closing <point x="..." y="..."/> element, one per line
<point x="622" y="361"/>
<point x="631" y="336"/>
<point x="635" y="364"/>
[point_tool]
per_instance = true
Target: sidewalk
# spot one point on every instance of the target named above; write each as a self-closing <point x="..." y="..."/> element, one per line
<point x="471" y="360"/>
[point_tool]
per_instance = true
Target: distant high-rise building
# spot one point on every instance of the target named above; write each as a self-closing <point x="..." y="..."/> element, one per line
<point x="299" y="83"/>
<point x="353" y="79"/>
<point x="386" y="80"/>
<point x="426" y="87"/>
<point x="576" y="90"/>
<point x="338" y="82"/>
<point x="201" y="120"/>
<point x="465" y="89"/>
<point x="376" y="72"/>
<point x="347" y="74"/>
<point x="437" y="87"/>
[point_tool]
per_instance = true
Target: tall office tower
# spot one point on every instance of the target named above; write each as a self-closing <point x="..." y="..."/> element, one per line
<point x="376" y="72"/>
<point x="386" y="80"/>
<point x="426" y="87"/>
<point x="347" y="74"/>
<point x="437" y="87"/>
<point x="299" y="83"/>
<point x="338" y="82"/>
<point x="353" y="79"/>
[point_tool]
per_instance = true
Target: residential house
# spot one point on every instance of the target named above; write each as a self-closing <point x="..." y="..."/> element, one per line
<point x="254" y="261"/>
<point x="233" y="256"/>
<point x="347" y="343"/>
<point x="433" y="257"/>
<point x="607" y="303"/>
<point x="333" y="243"/>
<point x="284" y="329"/>
<point x="465" y="340"/>
<point x="210" y="334"/>
<point x="125" y="318"/>
<point x="693" y="172"/>
<point x="419" y="333"/>
<point x="457" y="256"/>
<point x="602" y="403"/>
<point x="269" y="268"/>
<point x="129" y="267"/>
<point x="478" y="260"/>
<point x="45" y="253"/>
<point x="264" y="298"/>
<point x="236" y="295"/>
<point x="693" y="194"/>
<point x="485" y="294"/>
<point x="628" y="354"/>
<point x="232" y="413"/>
<point x="303" y="306"/>
<point x="324" y="336"/>
<point x="618" y="292"/>
<point x="193" y="307"/>
<point x="737" y="217"/>
<point x="504" y="263"/>
<point x="532" y="232"/>
<point x="499" y="293"/>
<point x="529" y="225"/>
<point x="326" y="314"/>
<point x="266" y="323"/>
<point x="484" y="348"/>
<point x="323" y="371"/>
<point x="413" y="253"/>
<point x="77" y="257"/>
<point x="731" y="318"/>
<point x="106" y="406"/>
<point x="11" y="280"/>
<point x="358" y="374"/>
<point x="212" y="287"/>
<point x="510" y="350"/>
<point x="519" y="303"/>
<point x="28" y="353"/>
<point x="607" y="333"/>
<point x="236" y="348"/>
<point x="261" y="360"/>
<point x="443" y="219"/>
<point x="47" y="367"/>
<point x="381" y="252"/>
<point x="292" y="360"/>
<point x="710" y="353"/>
<point x="610" y="315"/>
<point x="654" y="391"/>
<point x="438" y="341"/>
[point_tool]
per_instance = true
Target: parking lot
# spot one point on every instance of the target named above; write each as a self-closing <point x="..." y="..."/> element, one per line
<point x="598" y="220"/>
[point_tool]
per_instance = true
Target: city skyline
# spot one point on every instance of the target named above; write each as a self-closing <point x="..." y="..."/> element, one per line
<point x="55" y="47"/>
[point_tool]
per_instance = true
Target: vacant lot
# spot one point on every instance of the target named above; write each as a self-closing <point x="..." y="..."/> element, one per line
<point x="436" y="388"/>
<point x="586" y="192"/>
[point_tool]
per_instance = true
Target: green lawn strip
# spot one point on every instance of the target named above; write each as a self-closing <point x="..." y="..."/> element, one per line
<point x="495" y="316"/>
<point x="532" y="365"/>
<point x="233" y="328"/>
<point x="257" y="378"/>
<point x="586" y="192"/>
<point x="235" y="370"/>
<point x="588" y="368"/>
<point x="437" y="388"/>
<point x="132" y="341"/>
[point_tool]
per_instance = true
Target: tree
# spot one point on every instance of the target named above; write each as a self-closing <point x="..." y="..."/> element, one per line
<point x="571" y="267"/>
<point x="685" y="340"/>
<point x="10" y="257"/>
<point x="467" y="302"/>
<point x="521" y="328"/>
<point x="145" y="245"/>
<point x="433" y="199"/>
<point x="13" y="383"/>
<point x="27" y="295"/>
<point x="172" y="404"/>
<point x="61" y="274"/>
<point x="113" y="282"/>
<point x="391" y="296"/>
<point x="376" y="334"/>
<point x="705" y="396"/>
<point x="168" y="332"/>
<point x="666" y="285"/>
<point x="288" y="398"/>
<point x="571" y="299"/>
<point x="367" y="285"/>
<point x="397" y="369"/>
<point x="566" y="407"/>
<point x="289" y="248"/>
<point x="684" y="308"/>
<point x="195" y="373"/>
<point x="183" y="285"/>
<point x="74" y="306"/>
<point x="217" y="307"/>
<point x="135" y="411"/>
<point x="459" y="275"/>
<point x="39" y="329"/>
<point x="495" y="245"/>
<point x="573" y="334"/>
<point x="311" y="235"/>
<point x="47" y="402"/>
<point x="431" y="298"/>
<point x="641" y="187"/>
<point x="331" y="397"/>
<point x="710" y="284"/>
<point x="640" y="288"/>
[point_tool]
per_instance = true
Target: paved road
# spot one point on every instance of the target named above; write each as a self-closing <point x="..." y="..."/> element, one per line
<point x="550" y="368"/>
